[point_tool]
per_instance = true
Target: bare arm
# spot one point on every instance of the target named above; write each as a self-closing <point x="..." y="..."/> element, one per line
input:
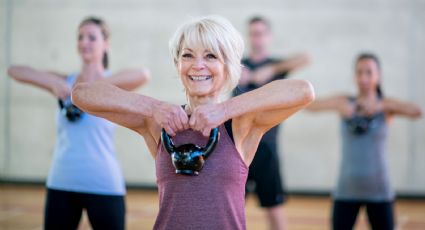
<point x="336" y="103"/>
<point x="129" y="79"/>
<point x="396" y="107"/>
<point x="272" y="103"/>
<point x="262" y="108"/>
<point x="143" y="114"/>
<point x="117" y="105"/>
<point x="49" y="81"/>
<point x="126" y="79"/>
<point x="265" y="74"/>
<point x="293" y="63"/>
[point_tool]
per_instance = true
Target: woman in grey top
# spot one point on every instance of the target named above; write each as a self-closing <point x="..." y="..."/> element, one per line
<point x="363" y="178"/>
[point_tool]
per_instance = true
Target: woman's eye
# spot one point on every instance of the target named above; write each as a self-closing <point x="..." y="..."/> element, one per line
<point x="187" y="55"/>
<point x="211" y="56"/>
<point x="80" y="37"/>
<point x="92" y="38"/>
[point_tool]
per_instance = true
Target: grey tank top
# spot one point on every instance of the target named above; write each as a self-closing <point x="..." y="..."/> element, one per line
<point x="215" y="199"/>
<point x="363" y="173"/>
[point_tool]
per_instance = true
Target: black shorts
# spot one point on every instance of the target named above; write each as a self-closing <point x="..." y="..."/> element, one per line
<point x="264" y="173"/>
<point x="63" y="210"/>
<point x="380" y="214"/>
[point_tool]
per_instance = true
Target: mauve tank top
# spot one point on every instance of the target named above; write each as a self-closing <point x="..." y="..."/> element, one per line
<point x="215" y="199"/>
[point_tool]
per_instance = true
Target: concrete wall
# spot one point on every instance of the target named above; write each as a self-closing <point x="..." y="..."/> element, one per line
<point x="42" y="34"/>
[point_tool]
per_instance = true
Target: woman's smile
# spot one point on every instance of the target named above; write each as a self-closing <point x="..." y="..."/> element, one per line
<point x="198" y="78"/>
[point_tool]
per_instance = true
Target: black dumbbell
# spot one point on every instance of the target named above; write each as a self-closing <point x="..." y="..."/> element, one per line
<point x="189" y="159"/>
<point x="70" y="111"/>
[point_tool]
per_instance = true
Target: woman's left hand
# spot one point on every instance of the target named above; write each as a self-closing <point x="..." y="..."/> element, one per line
<point x="206" y="117"/>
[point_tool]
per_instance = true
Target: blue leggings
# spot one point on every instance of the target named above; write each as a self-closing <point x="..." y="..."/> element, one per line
<point x="380" y="214"/>
<point x="63" y="210"/>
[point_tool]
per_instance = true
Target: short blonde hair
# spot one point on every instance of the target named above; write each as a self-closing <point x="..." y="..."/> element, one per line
<point x="216" y="34"/>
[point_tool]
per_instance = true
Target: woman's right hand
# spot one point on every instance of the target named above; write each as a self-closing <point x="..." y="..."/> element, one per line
<point x="172" y="118"/>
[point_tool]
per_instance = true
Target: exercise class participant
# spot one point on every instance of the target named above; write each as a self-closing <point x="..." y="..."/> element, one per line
<point x="363" y="177"/>
<point x="207" y="53"/>
<point x="85" y="173"/>
<point x="259" y="69"/>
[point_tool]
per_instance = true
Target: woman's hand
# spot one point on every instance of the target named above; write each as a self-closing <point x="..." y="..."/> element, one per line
<point x="206" y="117"/>
<point x="171" y="117"/>
<point x="370" y="107"/>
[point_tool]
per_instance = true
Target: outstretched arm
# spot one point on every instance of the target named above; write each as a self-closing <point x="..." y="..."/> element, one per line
<point x="49" y="81"/>
<point x="396" y="107"/>
<point x="272" y="103"/>
<point x="129" y="79"/>
<point x="143" y="114"/>
<point x="117" y="105"/>
<point x="265" y="74"/>
<point x="293" y="63"/>
<point x="262" y="108"/>
<point x="336" y="103"/>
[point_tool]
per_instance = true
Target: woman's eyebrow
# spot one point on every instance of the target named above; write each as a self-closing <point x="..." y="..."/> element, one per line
<point x="189" y="49"/>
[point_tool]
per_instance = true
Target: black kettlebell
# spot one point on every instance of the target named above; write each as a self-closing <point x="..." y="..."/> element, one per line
<point x="70" y="111"/>
<point x="359" y="125"/>
<point x="189" y="159"/>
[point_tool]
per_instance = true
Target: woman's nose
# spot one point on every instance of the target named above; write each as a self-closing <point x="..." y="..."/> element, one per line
<point x="84" y="40"/>
<point x="198" y="64"/>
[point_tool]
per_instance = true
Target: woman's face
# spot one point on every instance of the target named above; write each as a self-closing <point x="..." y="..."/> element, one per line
<point x="367" y="75"/>
<point x="201" y="71"/>
<point x="91" y="43"/>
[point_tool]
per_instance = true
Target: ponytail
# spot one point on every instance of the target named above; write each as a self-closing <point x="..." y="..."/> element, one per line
<point x="105" y="60"/>
<point x="379" y="91"/>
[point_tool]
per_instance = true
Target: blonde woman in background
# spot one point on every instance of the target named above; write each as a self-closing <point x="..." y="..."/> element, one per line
<point x="85" y="174"/>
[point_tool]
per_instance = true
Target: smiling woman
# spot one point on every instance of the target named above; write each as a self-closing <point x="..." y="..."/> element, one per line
<point x="206" y="52"/>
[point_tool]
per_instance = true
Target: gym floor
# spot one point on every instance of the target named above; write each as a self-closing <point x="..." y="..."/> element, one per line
<point x="21" y="208"/>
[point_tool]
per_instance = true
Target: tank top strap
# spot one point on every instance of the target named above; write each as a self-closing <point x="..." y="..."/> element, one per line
<point x="228" y="126"/>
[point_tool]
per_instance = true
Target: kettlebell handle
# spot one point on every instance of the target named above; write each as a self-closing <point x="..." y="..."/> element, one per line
<point x="60" y="102"/>
<point x="212" y="142"/>
<point x="167" y="142"/>
<point x="208" y="149"/>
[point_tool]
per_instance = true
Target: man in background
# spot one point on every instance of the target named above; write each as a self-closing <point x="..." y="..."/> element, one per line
<point x="259" y="69"/>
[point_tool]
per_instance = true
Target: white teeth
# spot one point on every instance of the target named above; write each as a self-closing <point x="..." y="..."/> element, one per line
<point x="200" y="78"/>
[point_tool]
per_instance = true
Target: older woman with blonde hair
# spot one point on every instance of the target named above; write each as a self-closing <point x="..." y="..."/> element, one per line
<point x="206" y="53"/>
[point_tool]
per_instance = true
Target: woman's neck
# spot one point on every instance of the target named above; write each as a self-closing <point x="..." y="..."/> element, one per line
<point x="195" y="101"/>
<point x="368" y="95"/>
<point x="91" y="71"/>
<point x="93" y="66"/>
